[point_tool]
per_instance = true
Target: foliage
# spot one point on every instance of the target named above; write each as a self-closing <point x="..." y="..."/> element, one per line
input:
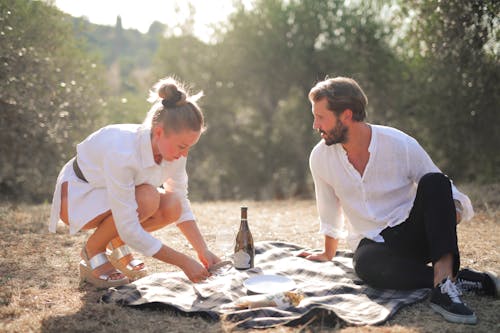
<point x="430" y="68"/>
<point x="49" y="97"/>
<point x="127" y="55"/>
<point x="455" y="65"/>
<point x="115" y="43"/>
<point x="257" y="77"/>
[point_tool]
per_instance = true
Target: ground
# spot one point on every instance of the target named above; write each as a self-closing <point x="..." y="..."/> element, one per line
<point x="40" y="291"/>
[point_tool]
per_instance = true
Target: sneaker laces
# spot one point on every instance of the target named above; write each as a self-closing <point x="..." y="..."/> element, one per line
<point x="466" y="285"/>
<point x="451" y="290"/>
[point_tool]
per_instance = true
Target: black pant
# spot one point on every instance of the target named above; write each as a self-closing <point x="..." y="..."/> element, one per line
<point x="428" y="234"/>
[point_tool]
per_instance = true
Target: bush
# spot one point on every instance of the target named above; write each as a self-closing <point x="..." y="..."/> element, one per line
<point x="49" y="97"/>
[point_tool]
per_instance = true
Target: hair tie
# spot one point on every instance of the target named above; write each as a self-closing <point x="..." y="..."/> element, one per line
<point x="166" y="103"/>
<point x="172" y="101"/>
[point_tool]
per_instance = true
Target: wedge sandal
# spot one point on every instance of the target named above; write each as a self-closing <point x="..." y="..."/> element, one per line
<point x="104" y="280"/>
<point x="115" y="256"/>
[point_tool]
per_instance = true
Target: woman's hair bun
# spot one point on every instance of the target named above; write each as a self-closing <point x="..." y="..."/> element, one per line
<point x="171" y="95"/>
<point x="173" y="107"/>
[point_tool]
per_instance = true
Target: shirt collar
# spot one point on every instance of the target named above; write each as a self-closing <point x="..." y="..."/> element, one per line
<point x="373" y="139"/>
<point x="145" y="149"/>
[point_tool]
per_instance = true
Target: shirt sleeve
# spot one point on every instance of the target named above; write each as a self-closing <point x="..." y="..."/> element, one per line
<point x="177" y="182"/>
<point x="420" y="163"/>
<point x="329" y="209"/>
<point x="121" y="195"/>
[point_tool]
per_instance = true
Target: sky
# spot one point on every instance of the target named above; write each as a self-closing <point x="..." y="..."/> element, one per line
<point x="140" y="14"/>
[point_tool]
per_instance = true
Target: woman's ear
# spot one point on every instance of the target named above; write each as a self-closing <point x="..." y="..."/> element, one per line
<point x="157" y="131"/>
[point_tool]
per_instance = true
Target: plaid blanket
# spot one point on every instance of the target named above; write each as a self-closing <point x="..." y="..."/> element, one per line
<point x="330" y="287"/>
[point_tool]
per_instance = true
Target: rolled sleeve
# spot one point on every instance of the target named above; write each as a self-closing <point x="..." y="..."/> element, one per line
<point x="121" y="195"/>
<point x="467" y="210"/>
<point x="329" y="230"/>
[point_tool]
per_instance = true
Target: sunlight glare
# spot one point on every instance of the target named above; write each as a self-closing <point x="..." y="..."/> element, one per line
<point x="140" y="15"/>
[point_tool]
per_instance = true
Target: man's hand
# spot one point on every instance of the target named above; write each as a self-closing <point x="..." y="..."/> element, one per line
<point x="320" y="256"/>
<point x="327" y="254"/>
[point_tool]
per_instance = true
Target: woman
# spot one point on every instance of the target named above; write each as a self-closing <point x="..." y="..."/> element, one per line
<point x="111" y="185"/>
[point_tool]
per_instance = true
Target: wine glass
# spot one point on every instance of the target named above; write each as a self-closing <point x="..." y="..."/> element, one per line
<point x="225" y="242"/>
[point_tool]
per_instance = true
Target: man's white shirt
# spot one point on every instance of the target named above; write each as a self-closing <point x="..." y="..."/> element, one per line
<point x="355" y="206"/>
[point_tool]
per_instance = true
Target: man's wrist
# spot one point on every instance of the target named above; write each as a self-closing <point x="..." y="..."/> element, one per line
<point x="459" y="209"/>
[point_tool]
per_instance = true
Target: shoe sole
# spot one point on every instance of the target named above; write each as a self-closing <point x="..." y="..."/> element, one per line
<point x="496" y="282"/>
<point x="454" y="318"/>
<point x="86" y="276"/>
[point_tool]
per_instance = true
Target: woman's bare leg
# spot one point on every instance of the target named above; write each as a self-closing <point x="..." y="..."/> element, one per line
<point x="168" y="211"/>
<point x="94" y="223"/>
<point x="148" y="201"/>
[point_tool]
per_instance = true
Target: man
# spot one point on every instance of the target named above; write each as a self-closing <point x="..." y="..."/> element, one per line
<point x="399" y="210"/>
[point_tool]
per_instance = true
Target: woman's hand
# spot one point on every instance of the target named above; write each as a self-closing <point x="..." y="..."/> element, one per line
<point x="193" y="235"/>
<point x="208" y="258"/>
<point x="192" y="268"/>
<point x="194" y="271"/>
<point x="321" y="256"/>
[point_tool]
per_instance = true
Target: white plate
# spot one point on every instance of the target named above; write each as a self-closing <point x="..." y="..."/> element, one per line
<point x="264" y="284"/>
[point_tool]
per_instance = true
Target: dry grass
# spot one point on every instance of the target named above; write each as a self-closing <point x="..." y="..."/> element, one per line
<point x="40" y="292"/>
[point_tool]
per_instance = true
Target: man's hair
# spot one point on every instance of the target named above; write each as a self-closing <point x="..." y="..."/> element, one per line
<point x="342" y="93"/>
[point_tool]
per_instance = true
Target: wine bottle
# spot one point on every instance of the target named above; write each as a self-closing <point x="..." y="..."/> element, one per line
<point x="244" y="250"/>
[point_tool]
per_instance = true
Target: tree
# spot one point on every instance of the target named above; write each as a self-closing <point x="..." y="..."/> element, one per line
<point x="453" y="50"/>
<point x="257" y="76"/>
<point x="274" y="54"/>
<point x="49" y="97"/>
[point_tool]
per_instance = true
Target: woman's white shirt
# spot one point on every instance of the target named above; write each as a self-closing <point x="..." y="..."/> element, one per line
<point x="114" y="160"/>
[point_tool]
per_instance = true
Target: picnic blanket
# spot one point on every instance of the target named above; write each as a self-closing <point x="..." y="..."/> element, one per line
<point x="330" y="287"/>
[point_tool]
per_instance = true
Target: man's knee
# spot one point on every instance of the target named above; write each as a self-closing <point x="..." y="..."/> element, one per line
<point x="148" y="200"/>
<point x="435" y="185"/>
<point x="433" y="179"/>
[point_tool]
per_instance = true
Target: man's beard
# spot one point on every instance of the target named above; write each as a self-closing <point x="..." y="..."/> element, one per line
<point x="338" y="134"/>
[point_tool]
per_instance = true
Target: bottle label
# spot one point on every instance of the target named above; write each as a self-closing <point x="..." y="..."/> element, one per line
<point x="242" y="259"/>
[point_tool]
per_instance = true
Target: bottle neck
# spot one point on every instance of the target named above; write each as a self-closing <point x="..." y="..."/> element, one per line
<point x="244" y="224"/>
